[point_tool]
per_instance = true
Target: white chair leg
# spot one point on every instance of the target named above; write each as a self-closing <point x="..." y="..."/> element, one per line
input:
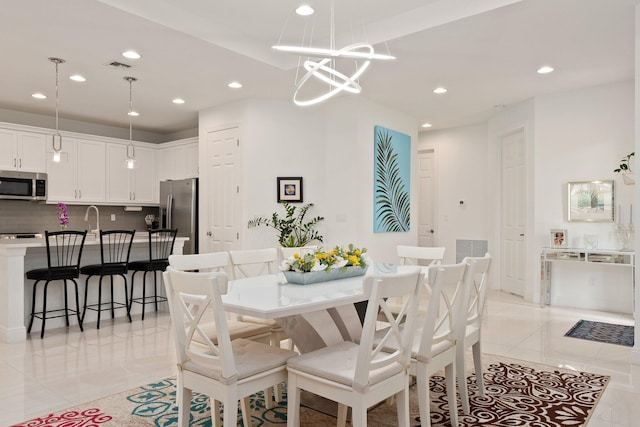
<point x="402" y="401"/>
<point x="245" y="408"/>
<point x="216" y="411"/>
<point x="424" y="401"/>
<point x="450" y="379"/>
<point x="462" y="379"/>
<point x="183" y="398"/>
<point x="230" y="418"/>
<point x="358" y="416"/>
<point x="342" y="414"/>
<point x="268" y="398"/>
<point x="293" y="402"/>
<point x="477" y="363"/>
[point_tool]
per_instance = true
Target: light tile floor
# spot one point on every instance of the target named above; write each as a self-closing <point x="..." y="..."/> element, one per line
<point x="68" y="368"/>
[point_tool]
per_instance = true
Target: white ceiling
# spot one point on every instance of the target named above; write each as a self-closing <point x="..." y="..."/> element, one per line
<point x="485" y="52"/>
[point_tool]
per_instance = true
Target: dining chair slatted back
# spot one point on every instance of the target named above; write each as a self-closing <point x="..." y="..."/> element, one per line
<point x="418" y="255"/>
<point x="471" y="330"/>
<point x="286" y="253"/>
<point x="359" y="375"/>
<point x="217" y="262"/>
<point x="115" y="248"/>
<point x="64" y="254"/>
<point x="448" y="290"/>
<point x="207" y="262"/>
<point x="194" y="296"/>
<point x="64" y="248"/>
<point x="382" y="288"/>
<point x="212" y="367"/>
<point x="253" y="262"/>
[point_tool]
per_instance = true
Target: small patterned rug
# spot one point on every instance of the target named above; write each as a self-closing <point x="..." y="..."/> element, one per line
<point x="518" y="393"/>
<point x="602" y="332"/>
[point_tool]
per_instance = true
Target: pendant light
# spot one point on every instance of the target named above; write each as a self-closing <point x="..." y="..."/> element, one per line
<point x="57" y="138"/>
<point x="131" y="149"/>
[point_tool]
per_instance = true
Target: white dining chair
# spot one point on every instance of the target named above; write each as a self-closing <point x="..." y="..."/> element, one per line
<point x="286" y="252"/>
<point x="226" y="371"/>
<point x="256" y="262"/>
<point x="361" y="375"/>
<point x="471" y="333"/>
<point x="434" y="344"/>
<point x="218" y="262"/>
<point x="423" y="256"/>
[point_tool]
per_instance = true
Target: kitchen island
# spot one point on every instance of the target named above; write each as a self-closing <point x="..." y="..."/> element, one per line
<point x="20" y="255"/>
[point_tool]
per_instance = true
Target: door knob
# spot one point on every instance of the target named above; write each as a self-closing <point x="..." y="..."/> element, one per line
<point x="209" y="233"/>
<point x="431" y="231"/>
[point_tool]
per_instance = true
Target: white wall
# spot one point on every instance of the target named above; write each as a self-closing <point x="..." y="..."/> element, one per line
<point x="350" y="123"/>
<point x="332" y="148"/>
<point x="462" y="176"/>
<point x="581" y="136"/>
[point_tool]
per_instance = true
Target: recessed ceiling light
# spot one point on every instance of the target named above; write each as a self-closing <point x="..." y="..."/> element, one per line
<point x="426" y="125"/>
<point x="178" y="101"/>
<point x="305" y="10"/>
<point x="545" y="70"/>
<point x="77" y="78"/>
<point x="133" y="113"/>
<point x="39" y="95"/>
<point x="235" y="85"/>
<point x="439" y="90"/>
<point x="131" y="54"/>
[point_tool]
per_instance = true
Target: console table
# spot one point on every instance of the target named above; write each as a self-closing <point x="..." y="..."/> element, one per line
<point x="580" y="256"/>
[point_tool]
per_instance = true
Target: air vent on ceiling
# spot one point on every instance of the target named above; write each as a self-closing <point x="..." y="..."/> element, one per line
<point x="118" y="65"/>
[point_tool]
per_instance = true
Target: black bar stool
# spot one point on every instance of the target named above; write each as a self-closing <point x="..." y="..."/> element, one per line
<point x="64" y="250"/>
<point x="161" y="243"/>
<point x="115" y="247"/>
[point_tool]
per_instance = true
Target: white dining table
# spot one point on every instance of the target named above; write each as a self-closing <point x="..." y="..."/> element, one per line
<point x="314" y="315"/>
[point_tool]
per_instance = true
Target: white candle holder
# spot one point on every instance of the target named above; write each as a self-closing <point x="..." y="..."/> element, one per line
<point x="624" y="234"/>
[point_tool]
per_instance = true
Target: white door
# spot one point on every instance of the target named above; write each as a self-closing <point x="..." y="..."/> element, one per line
<point x="426" y="201"/>
<point x="514" y="216"/>
<point x="221" y="191"/>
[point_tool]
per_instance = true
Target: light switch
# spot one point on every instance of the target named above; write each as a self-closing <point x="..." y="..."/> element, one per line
<point x="113" y="217"/>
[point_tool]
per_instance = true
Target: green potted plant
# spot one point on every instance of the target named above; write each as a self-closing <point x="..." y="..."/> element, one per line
<point x="625" y="169"/>
<point x="293" y="230"/>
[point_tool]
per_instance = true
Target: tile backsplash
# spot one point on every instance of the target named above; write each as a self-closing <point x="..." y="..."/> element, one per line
<point x="19" y="216"/>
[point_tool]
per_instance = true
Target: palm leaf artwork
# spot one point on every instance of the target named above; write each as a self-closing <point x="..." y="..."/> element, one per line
<point x="393" y="207"/>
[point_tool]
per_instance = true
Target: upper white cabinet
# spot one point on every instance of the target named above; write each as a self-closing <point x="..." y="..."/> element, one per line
<point x="178" y="162"/>
<point x="79" y="177"/>
<point x="22" y="151"/>
<point x="131" y="186"/>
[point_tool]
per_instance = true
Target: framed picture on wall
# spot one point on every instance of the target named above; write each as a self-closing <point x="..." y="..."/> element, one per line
<point x="591" y="201"/>
<point x="290" y="189"/>
<point x="558" y="238"/>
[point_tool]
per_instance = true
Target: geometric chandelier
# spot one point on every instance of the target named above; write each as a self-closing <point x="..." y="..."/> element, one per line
<point x="323" y="68"/>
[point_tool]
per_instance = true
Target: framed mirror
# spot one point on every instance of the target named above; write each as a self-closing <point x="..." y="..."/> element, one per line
<point x="591" y="201"/>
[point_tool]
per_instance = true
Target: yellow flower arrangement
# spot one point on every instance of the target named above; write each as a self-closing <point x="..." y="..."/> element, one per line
<point x="338" y="257"/>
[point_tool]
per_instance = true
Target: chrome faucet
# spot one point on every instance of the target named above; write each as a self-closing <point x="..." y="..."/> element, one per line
<point x="86" y="218"/>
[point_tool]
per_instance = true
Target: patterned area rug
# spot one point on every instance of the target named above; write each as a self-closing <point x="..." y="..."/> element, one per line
<point x="602" y="332"/>
<point x="518" y="393"/>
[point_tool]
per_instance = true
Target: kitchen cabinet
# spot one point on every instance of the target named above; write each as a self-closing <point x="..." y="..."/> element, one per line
<point x="22" y="151"/>
<point x="131" y="186"/>
<point x="79" y="177"/>
<point x="178" y="162"/>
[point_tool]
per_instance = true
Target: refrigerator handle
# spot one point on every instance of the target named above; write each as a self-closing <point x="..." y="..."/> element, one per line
<point x="170" y="211"/>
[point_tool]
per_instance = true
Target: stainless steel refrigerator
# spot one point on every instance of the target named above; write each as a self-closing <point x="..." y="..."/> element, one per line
<point x="179" y="209"/>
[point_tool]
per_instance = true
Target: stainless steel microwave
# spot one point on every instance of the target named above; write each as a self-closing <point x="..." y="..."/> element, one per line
<point x="23" y="185"/>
